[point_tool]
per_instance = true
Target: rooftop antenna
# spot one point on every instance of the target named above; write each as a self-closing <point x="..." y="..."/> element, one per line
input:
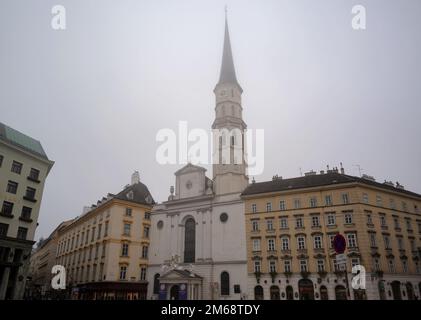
<point x="359" y="168"/>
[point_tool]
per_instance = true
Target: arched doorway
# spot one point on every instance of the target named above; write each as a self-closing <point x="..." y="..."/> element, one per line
<point x="258" y="293"/>
<point x="410" y="291"/>
<point x="290" y="293"/>
<point x="274" y="293"/>
<point x="190" y="240"/>
<point x="382" y="291"/>
<point x="340" y="292"/>
<point x="396" y="290"/>
<point x="306" y="289"/>
<point x="323" y="293"/>
<point x="174" y="292"/>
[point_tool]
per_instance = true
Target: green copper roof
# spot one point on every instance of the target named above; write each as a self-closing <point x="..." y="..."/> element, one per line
<point x="21" y="140"/>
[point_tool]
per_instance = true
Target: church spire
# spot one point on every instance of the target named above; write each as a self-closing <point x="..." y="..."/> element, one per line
<point x="227" y="74"/>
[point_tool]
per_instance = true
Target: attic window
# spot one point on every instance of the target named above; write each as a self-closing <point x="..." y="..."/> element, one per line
<point x="148" y="199"/>
<point x="129" y="195"/>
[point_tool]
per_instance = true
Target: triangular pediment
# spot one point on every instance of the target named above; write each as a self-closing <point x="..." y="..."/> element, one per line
<point x="188" y="168"/>
<point x="176" y="274"/>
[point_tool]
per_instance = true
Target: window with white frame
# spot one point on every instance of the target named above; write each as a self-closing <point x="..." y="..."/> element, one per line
<point x="282" y="205"/>
<point x="301" y="242"/>
<point x="412" y="244"/>
<point x="272" y="266"/>
<point x="255" y="225"/>
<point x="271" y="244"/>
<point x="287" y="266"/>
<point x="320" y="265"/>
<point x="392" y="203"/>
<point x="256" y="266"/>
<point x="348" y="217"/>
<point x="143" y="273"/>
<point x="391" y="264"/>
<point x="331" y="219"/>
<point x="376" y="264"/>
<point x="405" y="266"/>
<point x="303" y="265"/>
<point x="386" y="239"/>
<point x="297" y="204"/>
<point x="396" y="221"/>
<point x="408" y="224"/>
<point x="417" y="267"/>
<point x="400" y="243"/>
<point x="256" y="244"/>
<point x="253" y="208"/>
<point x="352" y="240"/>
<point x="315" y="221"/>
<point x="268" y="207"/>
<point x="369" y="219"/>
<point x="331" y="237"/>
<point x="299" y="222"/>
<point x="365" y="197"/>
<point x="373" y="242"/>
<point x="383" y="220"/>
<point x="284" y="223"/>
<point x="313" y="202"/>
<point x="318" y="244"/>
<point x="404" y="206"/>
<point x="269" y="224"/>
<point x="285" y="243"/>
<point x="123" y="272"/>
<point x="125" y="249"/>
<point x="345" y="198"/>
<point x="379" y="201"/>
<point x="328" y="200"/>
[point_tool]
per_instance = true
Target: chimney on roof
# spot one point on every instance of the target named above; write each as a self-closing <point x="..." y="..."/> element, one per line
<point x="322" y="172"/>
<point x="342" y="169"/>
<point x="135" y="177"/>
<point x="310" y="173"/>
<point x="399" y="186"/>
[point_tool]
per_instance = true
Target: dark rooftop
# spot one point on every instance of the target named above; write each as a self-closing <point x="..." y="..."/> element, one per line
<point x="316" y="180"/>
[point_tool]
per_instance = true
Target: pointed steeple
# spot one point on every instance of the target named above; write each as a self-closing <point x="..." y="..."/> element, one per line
<point x="227" y="74"/>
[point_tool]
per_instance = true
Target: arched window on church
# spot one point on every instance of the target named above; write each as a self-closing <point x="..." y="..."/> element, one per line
<point x="190" y="240"/>
<point x="225" y="283"/>
<point x="156" y="283"/>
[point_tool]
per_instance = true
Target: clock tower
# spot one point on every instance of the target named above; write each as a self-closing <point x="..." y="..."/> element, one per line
<point x="229" y="167"/>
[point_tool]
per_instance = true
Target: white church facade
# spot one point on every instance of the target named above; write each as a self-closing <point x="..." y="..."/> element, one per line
<point x="198" y="237"/>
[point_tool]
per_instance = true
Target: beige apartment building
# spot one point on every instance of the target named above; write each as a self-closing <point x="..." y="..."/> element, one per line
<point x="42" y="261"/>
<point x="290" y="225"/>
<point x="24" y="166"/>
<point x="105" y="250"/>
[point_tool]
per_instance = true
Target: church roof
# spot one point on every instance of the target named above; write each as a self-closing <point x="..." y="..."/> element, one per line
<point x="227" y="74"/>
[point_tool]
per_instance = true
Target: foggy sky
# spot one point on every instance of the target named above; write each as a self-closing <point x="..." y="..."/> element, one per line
<point x="96" y="94"/>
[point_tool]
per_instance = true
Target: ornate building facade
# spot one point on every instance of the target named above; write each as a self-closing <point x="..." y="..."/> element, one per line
<point x="198" y="236"/>
<point x="291" y="223"/>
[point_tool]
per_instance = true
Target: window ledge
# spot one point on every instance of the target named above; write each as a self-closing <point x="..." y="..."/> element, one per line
<point x="29" y="199"/>
<point x="25" y="219"/>
<point x="7" y="215"/>
<point x="33" y="179"/>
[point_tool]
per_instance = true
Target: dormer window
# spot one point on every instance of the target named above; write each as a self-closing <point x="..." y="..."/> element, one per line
<point x="129" y="195"/>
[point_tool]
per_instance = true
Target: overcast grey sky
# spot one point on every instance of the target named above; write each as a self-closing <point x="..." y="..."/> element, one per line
<point x="96" y="93"/>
